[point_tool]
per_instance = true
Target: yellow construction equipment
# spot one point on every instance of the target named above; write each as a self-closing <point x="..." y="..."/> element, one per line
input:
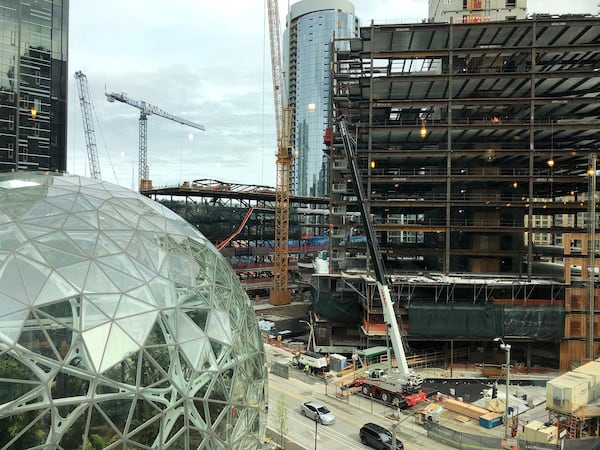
<point x="280" y="294"/>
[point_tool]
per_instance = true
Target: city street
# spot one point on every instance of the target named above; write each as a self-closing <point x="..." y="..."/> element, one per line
<point x="351" y="413"/>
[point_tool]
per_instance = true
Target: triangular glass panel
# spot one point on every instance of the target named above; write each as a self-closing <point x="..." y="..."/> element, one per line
<point x="82" y="204"/>
<point x="76" y="223"/>
<point x="85" y="241"/>
<point x="138" y="326"/>
<point x="98" y="281"/>
<point x="12" y="317"/>
<point x="219" y="327"/>
<point x="76" y="274"/>
<point x="17" y="379"/>
<point x="111" y="417"/>
<point x="11" y="238"/>
<point x="12" y="281"/>
<point x="96" y="341"/>
<point x="56" y="288"/>
<point x="33" y="338"/>
<point x="149" y="415"/>
<point x="63" y="202"/>
<point x="151" y="223"/>
<point x="98" y="309"/>
<point x="119" y="269"/>
<point x="199" y="316"/>
<point x="55" y="221"/>
<point x="122" y="239"/>
<point x="32" y="432"/>
<point x="66" y="385"/>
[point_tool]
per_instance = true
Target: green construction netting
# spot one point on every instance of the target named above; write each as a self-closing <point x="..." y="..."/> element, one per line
<point x="486" y="321"/>
<point x="455" y="320"/>
<point x="545" y="322"/>
<point x="335" y="310"/>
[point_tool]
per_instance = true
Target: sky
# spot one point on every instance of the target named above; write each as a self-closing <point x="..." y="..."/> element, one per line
<point x="205" y="61"/>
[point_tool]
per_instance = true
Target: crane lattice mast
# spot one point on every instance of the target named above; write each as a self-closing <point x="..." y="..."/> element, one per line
<point x="147" y="109"/>
<point x="88" y="125"/>
<point x="280" y="294"/>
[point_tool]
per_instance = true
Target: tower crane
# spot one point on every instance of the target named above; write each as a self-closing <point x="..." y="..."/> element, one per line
<point x="146" y="109"/>
<point x="280" y="294"/>
<point x="88" y="125"/>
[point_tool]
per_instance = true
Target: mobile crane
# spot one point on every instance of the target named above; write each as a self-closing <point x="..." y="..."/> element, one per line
<point x="280" y="294"/>
<point x="88" y="125"/>
<point x="147" y="109"/>
<point x="394" y="385"/>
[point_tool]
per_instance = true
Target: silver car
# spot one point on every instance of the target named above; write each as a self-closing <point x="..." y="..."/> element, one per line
<point x="317" y="411"/>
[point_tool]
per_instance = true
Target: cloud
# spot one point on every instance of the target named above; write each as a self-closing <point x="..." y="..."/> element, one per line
<point x="208" y="62"/>
<point x="202" y="61"/>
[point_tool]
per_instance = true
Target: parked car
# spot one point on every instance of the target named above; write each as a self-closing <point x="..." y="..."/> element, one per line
<point x="317" y="411"/>
<point x="377" y="437"/>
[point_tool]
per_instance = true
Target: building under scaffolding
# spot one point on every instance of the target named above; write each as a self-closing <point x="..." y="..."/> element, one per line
<point x="477" y="145"/>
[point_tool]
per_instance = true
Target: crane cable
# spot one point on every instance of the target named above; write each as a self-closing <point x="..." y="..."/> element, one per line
<point x="95" y="115"/>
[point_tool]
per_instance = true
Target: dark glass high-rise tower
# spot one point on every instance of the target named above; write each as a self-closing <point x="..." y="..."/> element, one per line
<point x="33" y="84"/>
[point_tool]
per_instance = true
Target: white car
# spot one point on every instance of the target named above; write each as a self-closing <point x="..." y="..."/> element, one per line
<point x="317" y="411"/>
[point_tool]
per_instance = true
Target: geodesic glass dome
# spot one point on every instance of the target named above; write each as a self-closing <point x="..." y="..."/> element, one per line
<point x="121" y="326"/>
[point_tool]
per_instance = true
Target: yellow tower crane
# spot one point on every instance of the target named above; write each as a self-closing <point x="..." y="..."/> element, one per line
<point x="280" y="294"/>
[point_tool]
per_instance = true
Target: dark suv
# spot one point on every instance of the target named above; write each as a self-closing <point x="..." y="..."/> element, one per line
<point x="377" y="437"/>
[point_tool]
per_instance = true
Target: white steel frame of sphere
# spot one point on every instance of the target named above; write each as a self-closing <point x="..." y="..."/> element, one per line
<point x="120" y="324"/>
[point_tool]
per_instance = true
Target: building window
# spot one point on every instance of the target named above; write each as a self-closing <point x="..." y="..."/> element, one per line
<point x="511" y="3"/>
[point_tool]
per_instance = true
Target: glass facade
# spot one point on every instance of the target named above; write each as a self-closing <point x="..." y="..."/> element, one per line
<point x="121" y="326"/>
<point x="33" y="84"/>
<point x="312" y="27"/>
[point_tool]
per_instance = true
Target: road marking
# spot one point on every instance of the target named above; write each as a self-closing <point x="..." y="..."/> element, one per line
<point x="337" y="413"/>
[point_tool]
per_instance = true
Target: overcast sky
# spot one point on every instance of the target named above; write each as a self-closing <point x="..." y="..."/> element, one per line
<point x="205" y="61"/>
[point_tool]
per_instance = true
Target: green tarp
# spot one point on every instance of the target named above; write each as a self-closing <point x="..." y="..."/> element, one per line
<point x="337" y="311"/>
<point x="485" y="321"/>
<point x="545" y="322"/>
<point x="455" y="320"/>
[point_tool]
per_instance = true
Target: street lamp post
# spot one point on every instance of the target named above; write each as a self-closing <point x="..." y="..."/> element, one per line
<point x="316" y="425"/>
<point x="506" y="348"/>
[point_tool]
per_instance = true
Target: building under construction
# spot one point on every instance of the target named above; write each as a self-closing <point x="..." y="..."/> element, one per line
<point x="477" y="145"/>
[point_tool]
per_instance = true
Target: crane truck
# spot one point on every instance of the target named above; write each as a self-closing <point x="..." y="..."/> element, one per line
<point x="398" y="386"/>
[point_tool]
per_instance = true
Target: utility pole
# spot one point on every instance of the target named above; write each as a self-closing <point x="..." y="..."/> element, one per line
<point x="591" y="275"/>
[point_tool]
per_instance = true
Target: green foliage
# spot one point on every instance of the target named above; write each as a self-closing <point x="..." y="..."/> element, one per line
<point x="281" y="419"/>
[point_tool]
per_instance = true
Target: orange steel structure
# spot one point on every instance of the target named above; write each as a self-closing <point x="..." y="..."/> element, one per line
<point x="280" y="294"/>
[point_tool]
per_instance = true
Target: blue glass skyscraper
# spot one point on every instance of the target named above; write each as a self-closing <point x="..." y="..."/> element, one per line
<point x="311" y="28"/>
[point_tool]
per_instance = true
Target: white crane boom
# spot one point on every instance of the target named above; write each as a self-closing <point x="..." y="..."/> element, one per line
<point x="147" y="109"/>
<point x="389" y="314"/>
<point x="88" y="125"/>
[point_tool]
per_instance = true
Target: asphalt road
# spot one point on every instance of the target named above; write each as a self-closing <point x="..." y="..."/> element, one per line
<point x="286" y="395"/>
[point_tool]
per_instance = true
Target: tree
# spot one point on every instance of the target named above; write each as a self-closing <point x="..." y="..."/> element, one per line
<point x="281" y="420"/>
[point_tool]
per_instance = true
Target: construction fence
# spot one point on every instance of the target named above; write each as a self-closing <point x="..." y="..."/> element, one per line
<point x="467" y="441"/>
<point x="460" y="440"/>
